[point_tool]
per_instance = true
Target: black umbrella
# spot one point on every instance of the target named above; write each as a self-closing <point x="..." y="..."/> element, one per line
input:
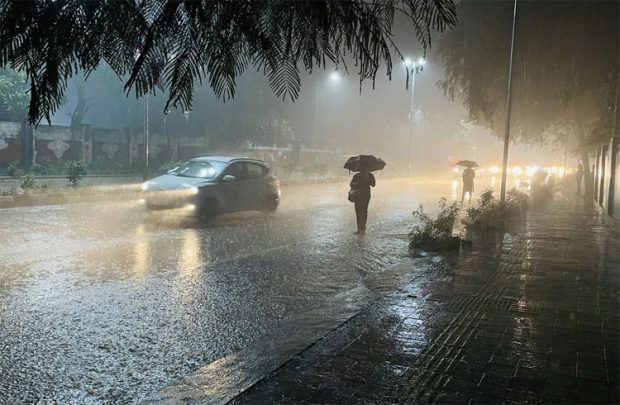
<point x="467" y="163"/>
<point x="370" y="162"/>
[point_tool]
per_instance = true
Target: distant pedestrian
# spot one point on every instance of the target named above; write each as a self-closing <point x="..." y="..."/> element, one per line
<point x="579" y="179"/>
<point x="468" y="183"/>
<point x="360" y="195"/>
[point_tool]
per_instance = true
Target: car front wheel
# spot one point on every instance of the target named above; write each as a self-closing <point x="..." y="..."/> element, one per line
<point x="208" y="210"/>
<point x="271" y="205"/>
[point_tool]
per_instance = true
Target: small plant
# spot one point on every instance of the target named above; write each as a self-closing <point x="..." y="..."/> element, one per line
<point x="39" y="170"/>
<point x="13" y="169"/>
<point x="435" y="234"/>
<point x="27" y="181"/>
<point x="517" y="201"/>
<point x="489" y="213"/>
<point x="76" y="170"/>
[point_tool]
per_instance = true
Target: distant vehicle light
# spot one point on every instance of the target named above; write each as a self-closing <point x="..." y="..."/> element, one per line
<point x="561" y="172"/>
<point x="455" y="170"/>
<point x="517" y="171"/>
<point x="144" y="186"/>
<point x="494" y="169"/>
<point x="190" y="207"/>
<point x="530" y="170"/>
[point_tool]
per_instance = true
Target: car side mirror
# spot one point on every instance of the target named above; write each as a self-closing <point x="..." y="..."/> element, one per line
<point x="229" y="178"/>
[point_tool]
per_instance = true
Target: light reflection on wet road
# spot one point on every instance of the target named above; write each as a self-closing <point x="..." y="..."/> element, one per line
<point x="106" y="303"/>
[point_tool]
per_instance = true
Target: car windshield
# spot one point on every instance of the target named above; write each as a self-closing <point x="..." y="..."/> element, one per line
<point x="198" y="168"/>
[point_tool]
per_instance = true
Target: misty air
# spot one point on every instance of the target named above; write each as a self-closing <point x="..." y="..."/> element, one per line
<point x="309" y="202"/>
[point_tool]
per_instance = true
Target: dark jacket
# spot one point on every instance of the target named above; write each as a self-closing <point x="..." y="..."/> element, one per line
<point x="362" y="182"/>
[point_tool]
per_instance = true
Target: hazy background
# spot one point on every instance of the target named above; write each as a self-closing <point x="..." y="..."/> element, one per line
<point x="352" y="119"/>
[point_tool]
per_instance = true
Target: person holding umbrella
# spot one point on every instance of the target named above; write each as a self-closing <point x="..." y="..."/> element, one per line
<point x="468" y="177"/>
<point x="359" y="193"/>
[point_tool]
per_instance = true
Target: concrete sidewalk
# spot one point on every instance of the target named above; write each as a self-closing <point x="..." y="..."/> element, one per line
<point x="529" y="317"/>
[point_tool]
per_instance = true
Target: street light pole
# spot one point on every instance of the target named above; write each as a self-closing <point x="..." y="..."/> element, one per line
<point x="508" y="108"/>
<point x="316" y="114"/>
<point x="334" y="77"/>
<point x="415" y="68"/>
<point x="145" y="173"/>
<point x="411" y="116"/>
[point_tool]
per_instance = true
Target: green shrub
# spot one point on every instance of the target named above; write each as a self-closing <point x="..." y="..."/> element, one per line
<point x="435" y="234"/>
<point x="517" y="201"/>
<point x="13" y="169"/>
<point x="76" y="170"/>
<point x="27" y="181"/>
<point x="489" y="213"/>
<point x="39" y="170"/>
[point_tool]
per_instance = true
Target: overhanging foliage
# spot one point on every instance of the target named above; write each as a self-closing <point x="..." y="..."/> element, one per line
<point x="173" y="44"/>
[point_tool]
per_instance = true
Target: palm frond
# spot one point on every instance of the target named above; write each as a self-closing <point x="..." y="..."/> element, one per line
<point x="174" y="44"/>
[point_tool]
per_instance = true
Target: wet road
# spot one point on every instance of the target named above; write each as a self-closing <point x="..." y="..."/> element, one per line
<point x="106" y="303"/>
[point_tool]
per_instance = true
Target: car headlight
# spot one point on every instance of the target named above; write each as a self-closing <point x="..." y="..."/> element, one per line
<point x="145" y="186"/>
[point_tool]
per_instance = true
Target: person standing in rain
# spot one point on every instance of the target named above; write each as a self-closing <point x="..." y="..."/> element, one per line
<point x="468" y="183"/>
<point x="360" y="186"/>
<point x="579" y="179"/>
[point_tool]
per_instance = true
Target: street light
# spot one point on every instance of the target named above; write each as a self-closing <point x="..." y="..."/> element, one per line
<point x="415" y="67"/>
<point x="333" y="78"/>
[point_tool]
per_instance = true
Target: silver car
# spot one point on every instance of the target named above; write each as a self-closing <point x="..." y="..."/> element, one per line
<point x="213" y="185"/>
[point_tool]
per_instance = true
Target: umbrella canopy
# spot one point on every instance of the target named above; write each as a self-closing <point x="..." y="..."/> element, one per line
<point x="467" y="163"/>
<point x="370" y="162"/>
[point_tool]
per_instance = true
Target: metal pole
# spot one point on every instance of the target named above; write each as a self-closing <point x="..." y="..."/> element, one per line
<point x="508" y="108"/>
<point x="187" y="129"/>
<point x="316" y="115"/>
<point x="145" y="175"/>
<point x="167" y="137"/>
<point x="411" y="116"/>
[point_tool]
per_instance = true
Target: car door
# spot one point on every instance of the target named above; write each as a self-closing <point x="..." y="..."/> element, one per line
<point x="233" y="187"/>
<point x="254" y="192"/>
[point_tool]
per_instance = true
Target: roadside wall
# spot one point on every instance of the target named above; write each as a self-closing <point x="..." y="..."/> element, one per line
<point x="99" y="146"/>
<point x="111" y="148"/>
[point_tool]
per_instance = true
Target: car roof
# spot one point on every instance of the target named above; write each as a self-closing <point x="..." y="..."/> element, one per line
<point x="227" y="159"/>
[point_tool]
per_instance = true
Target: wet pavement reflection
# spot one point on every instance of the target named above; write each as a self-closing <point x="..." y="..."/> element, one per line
<point x="528" y="317"/>
<point x="107" y="303"/>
